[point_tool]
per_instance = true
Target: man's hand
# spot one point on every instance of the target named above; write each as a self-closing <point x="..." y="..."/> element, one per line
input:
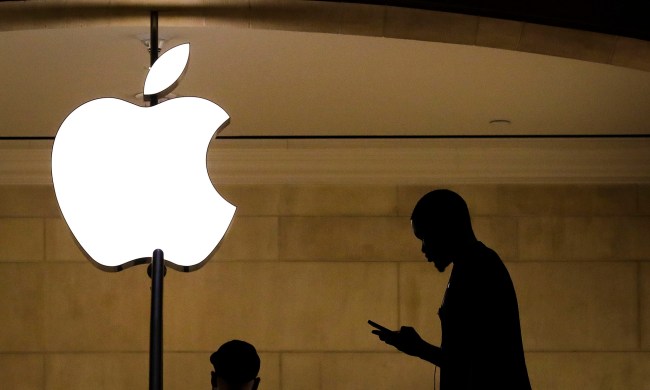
<point x="406" y="339"/>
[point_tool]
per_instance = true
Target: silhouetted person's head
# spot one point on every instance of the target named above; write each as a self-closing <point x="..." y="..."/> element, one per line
<point x="236" y="365"/>
<point x="441" y="221"/>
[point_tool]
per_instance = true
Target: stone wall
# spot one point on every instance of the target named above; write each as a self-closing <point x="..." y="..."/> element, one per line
<point x="303" y="268"/>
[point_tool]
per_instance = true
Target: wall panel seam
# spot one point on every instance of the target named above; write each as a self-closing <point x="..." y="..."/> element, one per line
<point x="639" y="309"/>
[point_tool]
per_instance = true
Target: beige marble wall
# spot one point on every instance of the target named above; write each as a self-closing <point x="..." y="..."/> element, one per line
<point x="304" y="267"/>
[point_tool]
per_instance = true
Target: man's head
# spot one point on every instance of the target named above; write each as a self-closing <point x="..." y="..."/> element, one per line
<point x="236" y="365"/>
<point x="441" y="221"/>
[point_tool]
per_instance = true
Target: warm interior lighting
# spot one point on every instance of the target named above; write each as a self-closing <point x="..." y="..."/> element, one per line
<point x="132" y="179"/>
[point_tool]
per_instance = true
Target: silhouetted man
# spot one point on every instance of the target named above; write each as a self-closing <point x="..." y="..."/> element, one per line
<point x="236" y="365"/>
<point x="481" y="345"/>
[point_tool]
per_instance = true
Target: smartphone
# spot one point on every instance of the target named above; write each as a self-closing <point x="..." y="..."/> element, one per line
<point x="376" y="325"/>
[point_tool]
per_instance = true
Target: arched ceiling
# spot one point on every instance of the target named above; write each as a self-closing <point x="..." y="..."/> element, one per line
<point x="614" y="17"/>
<point x="301" y="69"/>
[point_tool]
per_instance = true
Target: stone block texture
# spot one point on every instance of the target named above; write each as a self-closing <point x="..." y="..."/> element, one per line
<point x="303" y="268"/>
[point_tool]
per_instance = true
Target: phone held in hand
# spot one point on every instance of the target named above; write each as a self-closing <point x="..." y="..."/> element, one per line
<point x="376" y="325"/>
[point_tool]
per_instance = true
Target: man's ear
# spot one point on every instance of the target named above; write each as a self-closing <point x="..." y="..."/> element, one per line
<point x="256" y="383"/>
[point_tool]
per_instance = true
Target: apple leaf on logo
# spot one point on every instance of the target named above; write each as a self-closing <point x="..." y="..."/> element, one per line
<point x="165" y="73"/>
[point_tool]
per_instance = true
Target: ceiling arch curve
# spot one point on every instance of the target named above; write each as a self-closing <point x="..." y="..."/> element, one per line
<point x="418" y="20"/>
<point x="338" y="92"/>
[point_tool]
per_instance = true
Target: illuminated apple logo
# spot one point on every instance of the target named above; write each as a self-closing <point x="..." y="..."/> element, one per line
<point x="132" y="179"/>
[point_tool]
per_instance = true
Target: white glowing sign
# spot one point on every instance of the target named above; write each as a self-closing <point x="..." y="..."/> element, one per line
<point x="132" y="179"/>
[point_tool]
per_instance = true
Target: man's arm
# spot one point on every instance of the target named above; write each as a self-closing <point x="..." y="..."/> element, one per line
<point x="409" y="341"/>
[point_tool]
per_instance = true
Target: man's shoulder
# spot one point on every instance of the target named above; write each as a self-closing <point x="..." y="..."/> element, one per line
<point x="485" y="255"/>
<point x="486" y="263"/>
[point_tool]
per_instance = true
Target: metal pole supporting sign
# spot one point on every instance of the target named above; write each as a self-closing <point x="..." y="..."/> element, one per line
<point x="157" y="266"/>
<point x="157" y="273"/>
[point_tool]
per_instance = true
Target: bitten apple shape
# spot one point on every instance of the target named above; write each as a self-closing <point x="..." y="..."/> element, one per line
<point x="132" y="179"/>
